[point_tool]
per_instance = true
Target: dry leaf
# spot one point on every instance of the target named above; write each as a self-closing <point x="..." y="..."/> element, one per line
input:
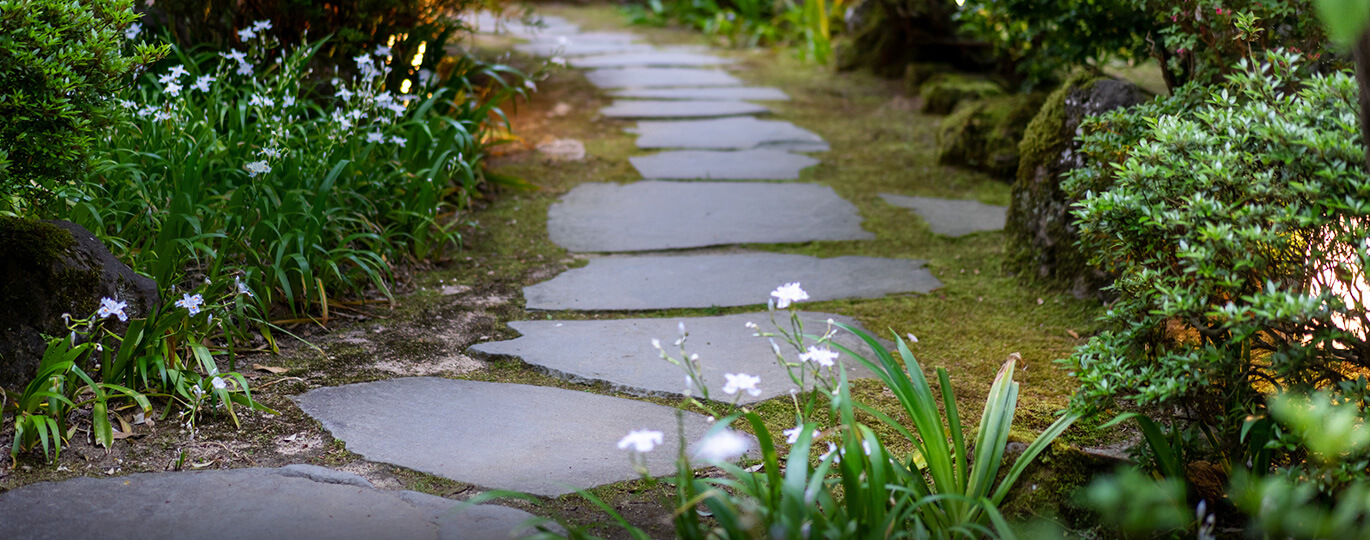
<point x="1073" y="333"/>
<point x="272" y="369"/>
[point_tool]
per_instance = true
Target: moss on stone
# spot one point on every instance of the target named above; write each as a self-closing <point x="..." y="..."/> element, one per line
<point x="984" y="134"/>
<point x="1048" y="485"/>
<point x="1043" y="136"/>
<point x="33" y="240"/>
<point x="917" y="74"/>
<point x="943" y="92"/>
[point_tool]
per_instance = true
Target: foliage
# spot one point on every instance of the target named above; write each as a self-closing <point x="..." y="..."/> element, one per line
<point x="61" y="61"/>
<point x="1344" y="19"/>
<point x="1237" y="228"/>
<point x="750" y="23"/>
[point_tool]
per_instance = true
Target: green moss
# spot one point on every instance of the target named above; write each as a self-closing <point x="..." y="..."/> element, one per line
<point x="1043" y="137"/>
<point x="984" y="134"/>
<point x="33" y="240"/>
<point x="942" y="93"/>
<point x="918" y="73"/>
<point x="1047" y="488"/>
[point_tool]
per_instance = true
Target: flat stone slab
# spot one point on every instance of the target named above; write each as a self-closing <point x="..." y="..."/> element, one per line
<point x="722" y="165"/>
<point x="643" y="77"/>
<point x="680" y="109"/>
<point x="743" y="133"/>
<point x="951" y="217"/>
<point x="735" y="279"/>
<point x="755" y="93"/>
<point x="655" y="215"/>
<point x="650" y="59"/>
<point x="486" y="23"/>
<point x="534" y="439"/>
<point x="620" y="352"/>
<point x="586" y="37"/>
<point x="572" y="47"/>
<point x="296" y="501"/>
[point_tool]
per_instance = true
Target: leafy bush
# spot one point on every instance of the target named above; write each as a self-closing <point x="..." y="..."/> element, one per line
<point x="750" y="23"/>
<point x="61" y="61"/>
<point x="1236" y="224"/>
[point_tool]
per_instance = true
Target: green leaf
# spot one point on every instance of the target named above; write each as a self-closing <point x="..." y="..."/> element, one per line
<point x="1345" y="19"/>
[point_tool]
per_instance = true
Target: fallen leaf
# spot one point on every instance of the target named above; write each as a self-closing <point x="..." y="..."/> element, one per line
<point x="1073" y="333"/>
<point x="121" y="435"/>
<point x="272" y="369"/>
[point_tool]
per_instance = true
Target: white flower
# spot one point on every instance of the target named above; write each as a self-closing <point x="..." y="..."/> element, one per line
<point x="218" y="383"/>
<point x="147" y="111"/>
<point x="344" y="93"/>
<point x="242" y="287"/>
<point x="752" y="325"/>
<point x="261" y="25"/>
<point x="823" y="357"/>
<point x="831" y="448"/>
<point x="866" y="445"/>
<point x="202" y="83"/>
<point x="792" y="434"/>
<point x="172" y="89"/>
<point x="726" y="445"/>
<point x="261" y="101"/>
<point x="161" y="115"/>
<point x="191" y="303"/>
<point x="110" y="306"/>
<point x="396" y="108"/>
<point x="257" y="167"/>
<point x="384" y="98"/>
<point x="178" y="72"/>
<point x="237" y="56"/>
<point x="912" y="339"/>
<point x="641" y="440"/>
<point x="128" y="104"/>
<point x="244" y="68"/>
<point x="399" y="140"/>
<point x="246" y="34"/>
<point x="530" y="85"/>
<point x="133" y="30"/>
<point x="271" y="153"/>
<point x="789" y="292"/>
<point x="382" y="50"/>
<point x="656" y="343"/>
<point x="288" y="101"/>
<point x="375" y="137"/>
<point x="741" y="381"/>
<point x="363" y="61"/>
<point x="557" y="60"/>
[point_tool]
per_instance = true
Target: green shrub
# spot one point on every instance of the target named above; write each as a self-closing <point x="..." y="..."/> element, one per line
<point x="60" y="62"/>
<point x="1236" y="224"/>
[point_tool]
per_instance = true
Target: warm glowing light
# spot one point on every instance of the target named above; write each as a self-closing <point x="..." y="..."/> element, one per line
<point x="1344" y="275"/>
<point x="418" y="58"/>
<point x="404" y="87"/>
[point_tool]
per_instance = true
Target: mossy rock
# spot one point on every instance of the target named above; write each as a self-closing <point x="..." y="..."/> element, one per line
<point x="984" y="134"/>
<point x="917" y="74"/>
<point x="885" y="40"/>
<point x="51" y="268"/>
<point x="1040" y="234"/>
<point x="944" y="92"/>
<point x="1048" y="486"/>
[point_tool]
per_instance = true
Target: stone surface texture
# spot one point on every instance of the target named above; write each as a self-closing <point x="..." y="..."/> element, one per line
<point x="650" y="59"/>
<point x="644" y="77"/>
<point x="753" y="93"/>
<point x="1040" y="237"/>
<point x="950" y="217"/>
<point x="649" y="215"/>
<point x="552" y="48"/>
<point x="743" y="133"/>
<point x="296" y="501"/>
<point x="681" y="109"/>
<point x="620" y="352"/>
<point x="722" y="165"/>
<point x="534" y="439"/>
<point x="730" y="279"/>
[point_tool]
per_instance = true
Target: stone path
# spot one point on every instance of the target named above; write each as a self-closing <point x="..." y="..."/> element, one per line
<point x="544" y="440"/>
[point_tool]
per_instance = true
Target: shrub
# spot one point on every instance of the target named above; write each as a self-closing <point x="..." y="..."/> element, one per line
<point x="60" y="62"/>
<point x="1236" y="224"/>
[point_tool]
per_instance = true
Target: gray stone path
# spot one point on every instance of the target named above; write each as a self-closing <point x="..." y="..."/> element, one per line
<point x="620" y="352"/>
<point x="754" y="93"/>
<point x="728" y="134"/>
<point x="722" y="165"/>
<point x="535" y="439"/>
<point x="680" y="109"/>
<point x="650" y="59"/>
<point x="574" y="48"/>
<point x="731" y="279"/>
<point x="645" y="77"/>
<point x="657" y="215"/>
<point x="296" y="501"/>
<point x="950" y="217"/>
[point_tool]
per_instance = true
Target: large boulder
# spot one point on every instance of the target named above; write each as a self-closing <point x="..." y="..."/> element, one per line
<point x="51" y="268"/>
<point x="944" y="92"/>
<point x="1040" y="233"/>
<point x="885" y="36"/>
<point x="984" y="134"/>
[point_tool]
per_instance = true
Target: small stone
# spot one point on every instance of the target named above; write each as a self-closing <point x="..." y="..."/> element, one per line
<point x="950" y="217"/>
<point x="561" y="109"/>
<point x="563" y="150"/>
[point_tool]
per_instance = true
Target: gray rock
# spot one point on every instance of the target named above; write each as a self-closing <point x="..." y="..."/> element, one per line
<point x="620" y="352"/>
<point x="649" y="215"/>
<point x="717" y="165"/>
<point x="729" y="134"/>
<point x="563" y="150"/>
<point x="650" y="59"/>
<point x="576" y="48"/>
<point x="534" y="439"/>
<point x="680" y="109"/>
<point x="951" y="217"/>
<point x="722" y="92"/>
<point x="487" y="23"/>
<point x="52" y="268"/>
<point x="297" y="501"/>
<point x="586" y="37"/>
<point x="735" y="279"/>
<point x="643" y="77"/>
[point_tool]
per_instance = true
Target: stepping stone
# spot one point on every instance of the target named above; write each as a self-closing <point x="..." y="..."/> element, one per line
<point x="620" y="352"/>
<point x="756" y="93"/>
<point x="296" y="501"/>
<point x="951" y="217"/>
<point x="652" y="215"/>
<point x="487" y="23"/>
<point x="534" y="439"/>
<point x="641" y="77"/>
<point x="586" y="37"/>
<point x="728" y="134"/>
<point x="648" y="59"/>
<point x="680" y="109"/>
<point x="736" y="279"/>
<point x="713" y="165"/>
<point x="576" y="48"/>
